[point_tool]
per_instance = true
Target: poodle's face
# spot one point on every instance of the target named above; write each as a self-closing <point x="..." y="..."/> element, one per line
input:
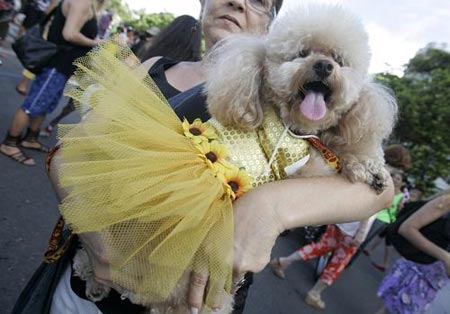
<point x="315" y="73"/>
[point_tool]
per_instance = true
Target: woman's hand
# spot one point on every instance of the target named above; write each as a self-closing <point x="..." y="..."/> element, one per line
<point x="256" y="227"/>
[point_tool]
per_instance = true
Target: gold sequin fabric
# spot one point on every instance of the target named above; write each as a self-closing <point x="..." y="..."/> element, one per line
<point x="252" y="149"/>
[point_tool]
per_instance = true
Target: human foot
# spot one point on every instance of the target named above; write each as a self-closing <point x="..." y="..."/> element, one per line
<point x="314" y="301"/>
<point x="277" y="268"/>
<point x="17" y="155"/>
<point x="379" y="267"/>
<point x="35" y="145"/>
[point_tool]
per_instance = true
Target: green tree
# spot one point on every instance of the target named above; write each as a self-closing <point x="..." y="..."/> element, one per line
<point x="145" y="21"/>
<point x="140" y="20"/>
<point x="122" y="9"/>
<point x="423" y="96"/>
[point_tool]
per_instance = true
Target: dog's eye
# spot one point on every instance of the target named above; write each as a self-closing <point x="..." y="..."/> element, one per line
<point x="338" y="59"/>
<point x="303" y="53"/>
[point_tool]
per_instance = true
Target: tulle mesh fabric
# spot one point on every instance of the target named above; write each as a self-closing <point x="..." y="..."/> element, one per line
<point x="136" y="179"/>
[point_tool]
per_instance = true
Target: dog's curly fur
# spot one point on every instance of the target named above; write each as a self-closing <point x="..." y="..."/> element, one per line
<point x="278" y="70"/>
<point x="246" y="73"/>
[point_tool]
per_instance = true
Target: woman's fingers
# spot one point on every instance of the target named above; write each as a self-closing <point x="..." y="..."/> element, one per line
<point x="216" y="295"/>
<point x="197" y="288"/>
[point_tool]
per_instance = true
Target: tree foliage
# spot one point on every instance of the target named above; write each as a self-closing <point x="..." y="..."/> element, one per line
<point x="423" y="96"/>
<point x="140" y="20"/>
<point x="145" y="21"/>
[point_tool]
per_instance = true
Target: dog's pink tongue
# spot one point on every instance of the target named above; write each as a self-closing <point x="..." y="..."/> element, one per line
<point x="313" y="106"/>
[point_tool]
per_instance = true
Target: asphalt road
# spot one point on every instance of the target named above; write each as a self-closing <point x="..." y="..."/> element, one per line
<point x="28" y="211"/>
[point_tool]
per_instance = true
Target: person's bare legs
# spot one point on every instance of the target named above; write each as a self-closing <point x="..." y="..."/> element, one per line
<point x="280" y="264"/>
<point x="314" y="296"/>
<point x="31" y="138"/>
<point x="22" y="87"/>
<point x="19" y="122"/>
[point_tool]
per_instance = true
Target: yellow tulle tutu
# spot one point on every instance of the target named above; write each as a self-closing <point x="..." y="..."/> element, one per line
<point x="146" y="183"/>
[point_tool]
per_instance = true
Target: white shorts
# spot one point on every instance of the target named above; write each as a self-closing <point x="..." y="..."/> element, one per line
<point x="65" y="301"/>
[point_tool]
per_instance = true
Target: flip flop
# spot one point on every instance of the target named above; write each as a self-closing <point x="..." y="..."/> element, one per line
<point x="42" y="148"/>
<point x="20" y="157"/>
<point x="21" y="92"/>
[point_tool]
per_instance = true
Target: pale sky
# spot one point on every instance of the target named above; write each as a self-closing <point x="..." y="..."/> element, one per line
<point x="397" y="28"/>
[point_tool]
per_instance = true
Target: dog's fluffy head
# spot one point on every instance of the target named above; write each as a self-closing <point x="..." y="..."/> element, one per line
<point x="316" y="63"/>
<point x="312" y="65"/>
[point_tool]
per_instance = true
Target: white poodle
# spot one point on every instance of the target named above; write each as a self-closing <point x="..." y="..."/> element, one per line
<point x="312" y="67"/>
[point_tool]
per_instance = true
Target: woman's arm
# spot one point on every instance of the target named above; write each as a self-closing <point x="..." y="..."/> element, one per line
<point x="263" y="213"/>
<point x="77" y="14"/>
<point x="51" y="6"/>
<point x="410" y="229"/>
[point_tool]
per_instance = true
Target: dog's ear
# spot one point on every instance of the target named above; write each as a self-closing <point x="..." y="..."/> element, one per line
<point x="234" y="71"/>
<point x="371" y="119"/>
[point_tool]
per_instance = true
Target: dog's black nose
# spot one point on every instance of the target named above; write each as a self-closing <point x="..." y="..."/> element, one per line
<point x="323" y="68"/>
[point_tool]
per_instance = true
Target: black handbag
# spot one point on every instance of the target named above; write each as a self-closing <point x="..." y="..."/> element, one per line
<point x="32" y="50"/>
<point x="36" y="297"/>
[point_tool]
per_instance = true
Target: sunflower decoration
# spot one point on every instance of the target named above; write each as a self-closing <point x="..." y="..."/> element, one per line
<point x="198" y="131"/>
<point x="236" y="181"/>
<point x="215" y="155"/>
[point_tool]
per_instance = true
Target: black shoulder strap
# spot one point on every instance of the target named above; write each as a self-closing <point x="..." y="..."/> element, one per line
<point x="191" y="104"/>
<point x="46" y="18"/>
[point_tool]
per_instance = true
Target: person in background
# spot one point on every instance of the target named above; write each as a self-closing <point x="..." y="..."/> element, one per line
<point x="6" y="15"/>
<point x="145" y="39"/>
<point x="105" y="23"/>
<point x="131" y="36"/>
<point x="398" y="160"/>
<point x="35" y="12"/>
<point x="422" y="237"/>
<point x="180" y="41"/>
<point x="74" y="25"/>
<point x="342" y="241"/>
<point x="386" y="217"/>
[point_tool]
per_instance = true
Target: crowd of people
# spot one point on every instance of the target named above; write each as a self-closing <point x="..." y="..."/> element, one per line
<point x="418" y="229"/>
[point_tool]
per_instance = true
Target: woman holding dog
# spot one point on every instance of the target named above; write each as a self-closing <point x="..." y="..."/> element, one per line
<point x="275" y="204"/>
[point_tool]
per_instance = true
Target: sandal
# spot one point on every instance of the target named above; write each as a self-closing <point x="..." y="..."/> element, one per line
<point x="315" y="302"/>
<point x="277" y="268"/>
<point x="20" y="157"/>
<point x="32" y="138"/>
<point x="40" y="147"/>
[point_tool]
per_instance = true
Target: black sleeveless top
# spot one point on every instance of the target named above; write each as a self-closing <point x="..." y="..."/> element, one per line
<point x="63" y="60"/>
<point x="437" y="232"/>
<point x="190" y="104"/>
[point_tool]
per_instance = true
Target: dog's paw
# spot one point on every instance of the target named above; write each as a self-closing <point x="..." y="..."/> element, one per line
<point x="378" y="182"/>
<point x="367" y="171"/>
<point x="377" y="178"/>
